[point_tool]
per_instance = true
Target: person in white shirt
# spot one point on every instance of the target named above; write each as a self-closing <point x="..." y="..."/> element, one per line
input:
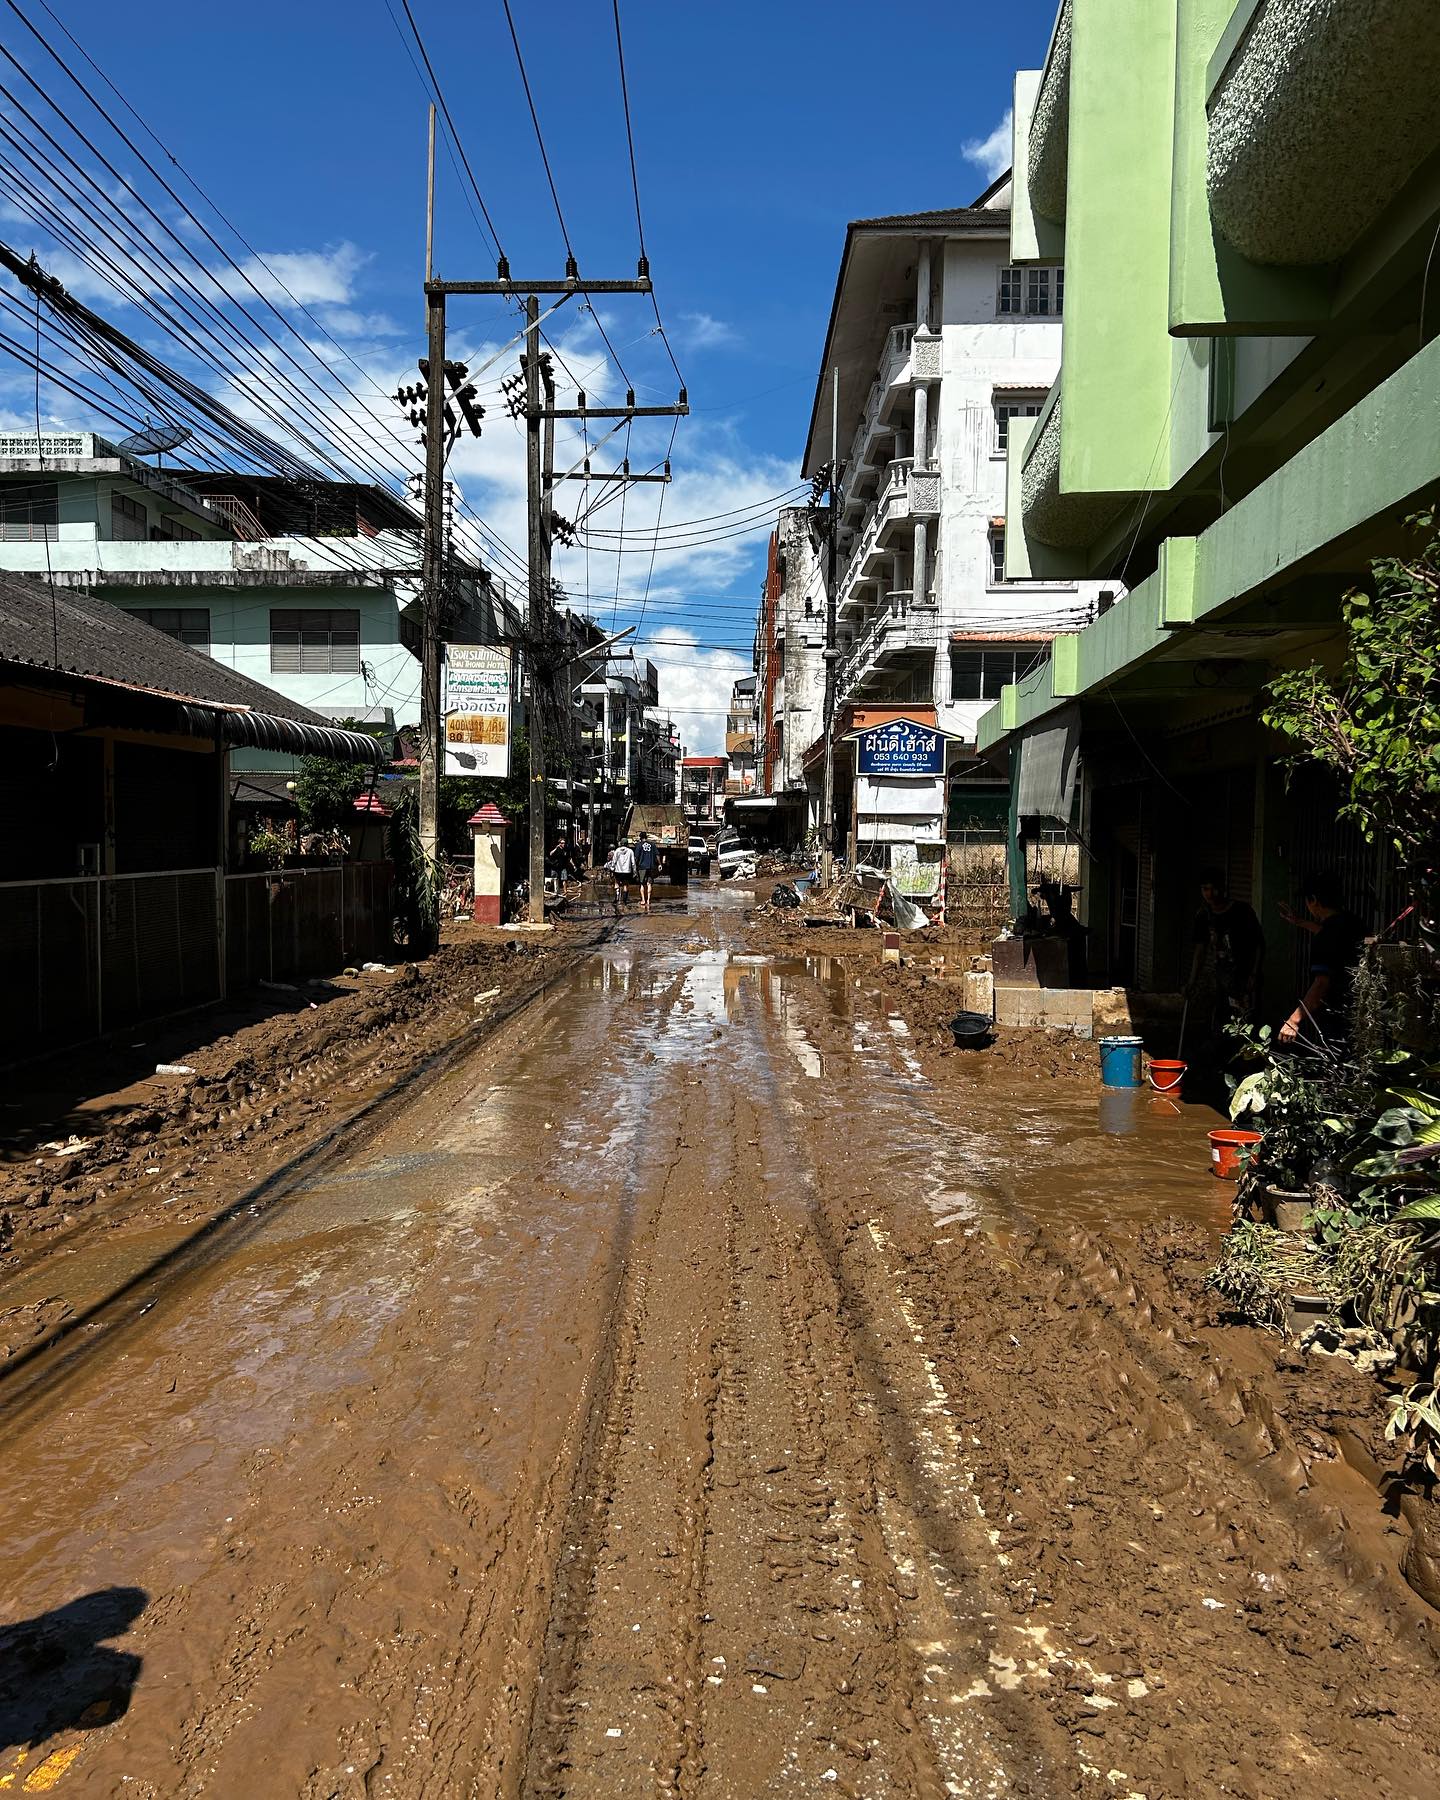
<point x="622" y="867"/>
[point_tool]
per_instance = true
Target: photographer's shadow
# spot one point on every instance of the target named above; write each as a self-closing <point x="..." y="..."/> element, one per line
<point x="58" y="1674"/>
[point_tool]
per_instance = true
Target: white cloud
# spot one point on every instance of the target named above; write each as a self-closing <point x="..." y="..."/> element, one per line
<point x="302" y="277"/>
<point x="991" y="155"/>
<point x="702" y="331"/>
<point x="345" y="321"/>
<point x="695" y="684"/>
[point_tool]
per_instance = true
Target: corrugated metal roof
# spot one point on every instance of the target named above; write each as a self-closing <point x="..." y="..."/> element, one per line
<point x="77" y="635"/>
<point x="946" y="218"/>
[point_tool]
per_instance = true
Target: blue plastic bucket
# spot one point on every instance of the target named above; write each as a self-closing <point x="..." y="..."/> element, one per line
<point x="1120" y="1062"/>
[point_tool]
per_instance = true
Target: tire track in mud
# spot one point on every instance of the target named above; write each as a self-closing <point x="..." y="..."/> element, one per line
<point x="804" y="1683"/>
<point x="1305" y="1607"/>
<point x="614" y="1706"/>
<point x="978" y="1736"/>
<point x="727" y="1614"/>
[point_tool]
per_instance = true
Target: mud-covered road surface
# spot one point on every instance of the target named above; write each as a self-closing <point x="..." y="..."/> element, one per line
<point x="685" y="1394"/>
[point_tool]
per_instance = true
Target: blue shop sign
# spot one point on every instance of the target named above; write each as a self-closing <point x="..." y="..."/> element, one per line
<point x="901" y="747"/>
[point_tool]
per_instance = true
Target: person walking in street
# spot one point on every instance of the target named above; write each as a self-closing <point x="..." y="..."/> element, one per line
<point x="559" y="863"/>
<point x="647" y="860"/>
<point x="1339" y="936"/>
<point x="622" y="868"/>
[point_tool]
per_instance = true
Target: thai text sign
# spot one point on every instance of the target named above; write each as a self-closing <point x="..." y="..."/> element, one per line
<point x="901" y="747"/>
<point x="477" y="709"/>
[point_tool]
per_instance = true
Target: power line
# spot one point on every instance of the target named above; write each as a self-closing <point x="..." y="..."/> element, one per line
<point x="327" y="424"/>
<point x="539" y="135"/>
<point x="659" y="514"/>
<point x="760" y="507"/>
<point x="154" y="249"/>
<point x="572" y="267"/>
<point x="215" y="209"/>
<point x="450" y="124"/>
<point x="647" y="541"/>
<point x="635" y="189"/>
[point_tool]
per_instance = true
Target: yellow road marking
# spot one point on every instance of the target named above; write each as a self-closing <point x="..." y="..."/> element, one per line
<point x="41" y="1779"/>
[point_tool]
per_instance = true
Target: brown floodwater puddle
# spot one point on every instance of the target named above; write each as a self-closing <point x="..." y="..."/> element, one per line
<point x="985" y="1147"/>
<point x="988" y="1146"/>
<point x="493" y="1201"/>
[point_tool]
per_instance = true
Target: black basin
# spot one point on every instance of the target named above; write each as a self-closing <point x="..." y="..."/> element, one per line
<point x="970" y="1029"/>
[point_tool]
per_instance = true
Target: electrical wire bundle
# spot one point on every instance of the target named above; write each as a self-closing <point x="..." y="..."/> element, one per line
<point x="253" y="372"/>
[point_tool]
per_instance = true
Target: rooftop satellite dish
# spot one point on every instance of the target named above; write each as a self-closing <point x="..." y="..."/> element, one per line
<point x="154" y="440"/>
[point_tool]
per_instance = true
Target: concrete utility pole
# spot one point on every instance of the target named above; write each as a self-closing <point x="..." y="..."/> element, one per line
<point x="537" y="506"/>
<point x="827" y="805"/>
<point x="540" y="410"/>
<point x="433" y="554"/>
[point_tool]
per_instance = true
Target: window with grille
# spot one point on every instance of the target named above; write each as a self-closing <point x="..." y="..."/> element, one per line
<point x="30" y="514"/>
<point x="997" y="556"/>
<point x="980" y="674"/>
<point x="1014" y="406"/>
<point x="1030" y="293"/>
<point x="315" y="643"/>
<point x="186" y="624"/>
<point x="128" y="519"/>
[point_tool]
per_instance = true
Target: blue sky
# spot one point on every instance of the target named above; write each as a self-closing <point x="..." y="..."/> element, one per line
<point x="760" y="130"/>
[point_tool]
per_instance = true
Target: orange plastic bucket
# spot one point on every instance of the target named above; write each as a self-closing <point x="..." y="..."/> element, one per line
<point x="1225" y="1148"/>
<point x="1167" y="1077"/>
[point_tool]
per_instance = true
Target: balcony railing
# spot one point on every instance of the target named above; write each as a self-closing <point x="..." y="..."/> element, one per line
<point x="899" y="625"/>
<point x="892" y="502"/>
<point x="893" y="359"/>
<point x="238" y="516"/>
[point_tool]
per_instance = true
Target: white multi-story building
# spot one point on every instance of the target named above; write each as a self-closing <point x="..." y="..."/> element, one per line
<point x="789" y="667"/>
<point x="936" y="342"/>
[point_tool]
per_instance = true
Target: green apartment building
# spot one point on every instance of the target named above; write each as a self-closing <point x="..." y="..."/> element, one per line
<point x="1245" y="195"/>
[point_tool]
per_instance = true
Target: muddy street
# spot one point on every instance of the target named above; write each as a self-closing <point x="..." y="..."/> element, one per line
<point x="684" y="1393"/>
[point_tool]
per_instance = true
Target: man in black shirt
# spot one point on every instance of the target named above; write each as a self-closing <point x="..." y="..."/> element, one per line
<point x="1229" y="950"/>
<point x="1339" y="939"/>
<point x="647" y="860"/>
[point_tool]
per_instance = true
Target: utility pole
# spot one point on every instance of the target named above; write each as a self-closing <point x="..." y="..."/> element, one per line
<point x="433" y="557"/>
<point x="827" y="805"/>
<point x="539" y="562"/>
<point x="540" y="410"/>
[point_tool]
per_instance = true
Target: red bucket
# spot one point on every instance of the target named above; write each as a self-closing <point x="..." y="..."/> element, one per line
<point x="1167" y="1077"/>
<point x="1225" y="1149"/>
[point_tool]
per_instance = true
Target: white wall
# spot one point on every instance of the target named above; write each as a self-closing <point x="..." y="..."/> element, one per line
<point x="240" y="615"/>
<point x="802" y="607"/>
<point x="981" y="352"/>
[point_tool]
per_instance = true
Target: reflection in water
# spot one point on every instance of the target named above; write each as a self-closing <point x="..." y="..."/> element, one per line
<point x="1121" y="1111"/>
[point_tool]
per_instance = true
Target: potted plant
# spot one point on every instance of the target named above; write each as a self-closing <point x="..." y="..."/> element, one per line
<point x="1302" y="1103"/>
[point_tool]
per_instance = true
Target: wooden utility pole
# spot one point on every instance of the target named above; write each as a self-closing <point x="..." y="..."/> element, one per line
<point x="432" y="725"/>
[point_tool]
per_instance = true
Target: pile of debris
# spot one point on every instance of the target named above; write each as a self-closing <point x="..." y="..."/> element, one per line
<point x="778" y="863"/>
<point x="859" y="897"/>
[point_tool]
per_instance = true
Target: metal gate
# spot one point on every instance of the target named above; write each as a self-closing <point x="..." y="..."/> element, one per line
<point x="88" y="954"/>
<point x="296" y="922"/>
